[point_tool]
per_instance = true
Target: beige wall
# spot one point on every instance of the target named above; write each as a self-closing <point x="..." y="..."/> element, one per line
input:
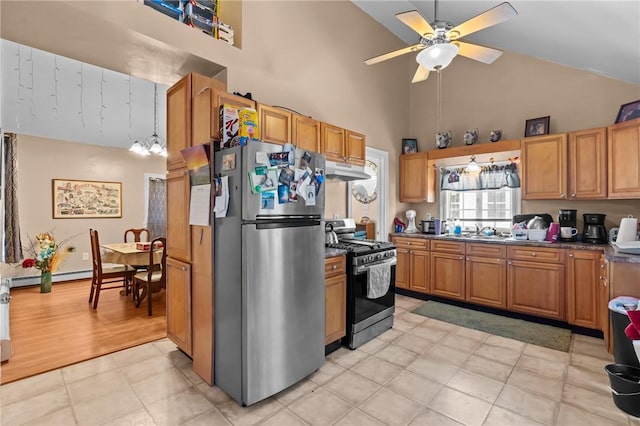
<point x="504" y="95"/>
<point x="40" y="160"/>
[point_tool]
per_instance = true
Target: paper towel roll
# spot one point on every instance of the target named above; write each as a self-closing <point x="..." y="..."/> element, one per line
<point x="628" y="229"/>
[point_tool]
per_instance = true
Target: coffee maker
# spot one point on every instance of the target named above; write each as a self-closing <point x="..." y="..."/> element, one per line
<point x="567" y="219"/>
<point x="594" y="230"/>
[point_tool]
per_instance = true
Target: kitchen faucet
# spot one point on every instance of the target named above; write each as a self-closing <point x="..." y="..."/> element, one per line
<point x="479" y="230"/>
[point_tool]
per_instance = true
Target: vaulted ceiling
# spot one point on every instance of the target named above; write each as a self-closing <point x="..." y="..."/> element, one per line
<point x="600" y="36"/>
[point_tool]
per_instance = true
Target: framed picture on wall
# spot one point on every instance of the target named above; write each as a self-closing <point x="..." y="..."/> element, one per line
<point x="82" y="199"/>
<point x="537" y="126"/>
<point x="628" y="111"/>
<point x="409" y="146"/>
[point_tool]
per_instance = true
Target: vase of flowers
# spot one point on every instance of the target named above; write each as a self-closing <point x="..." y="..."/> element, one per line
<point x="46" y="256"/>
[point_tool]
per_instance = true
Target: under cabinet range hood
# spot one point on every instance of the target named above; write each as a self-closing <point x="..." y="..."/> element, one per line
<point x="345" y="172"/>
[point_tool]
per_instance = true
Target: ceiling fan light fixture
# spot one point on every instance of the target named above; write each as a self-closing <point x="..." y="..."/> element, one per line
<point x="437" y="56"/>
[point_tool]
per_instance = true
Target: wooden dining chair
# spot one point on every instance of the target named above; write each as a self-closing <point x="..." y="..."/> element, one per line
<point x="105" y="275"/>
<point x="155" y="277"/>
<point x="137" y="233"/>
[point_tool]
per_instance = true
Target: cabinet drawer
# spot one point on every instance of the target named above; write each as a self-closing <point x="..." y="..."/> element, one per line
<point x="447" y="246"/>
<point x="411" y="243"/>
<point x="537" y="254"/>
<point x="486" y="250"/>
<point x="335" y="266"/>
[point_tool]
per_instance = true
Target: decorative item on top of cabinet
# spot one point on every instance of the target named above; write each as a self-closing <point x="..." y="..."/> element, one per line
<point x="412" y="263"/>
<point x="335" y="299"/>
<point x="179" y="114"/>
<point x="275" y="124"/>
<point x="588" y="164"/>
<point x="544" y="167"/>
<point x="448" y="269"/>
<point x="623" y="160"/>
<point x="221" y="98"/>
<point x="179" y="310"/>
<point x="583" y="281"/>
<point x="417" y="178"/>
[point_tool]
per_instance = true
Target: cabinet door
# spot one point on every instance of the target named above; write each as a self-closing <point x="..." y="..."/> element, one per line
<point x="623" y="153"/>
<point x="202" y="118"/>
<point x="419" y="268"/>
<point x="305" y="133"/>
<point x="332" y="141"/>
<point x="544" y="167"/>
<point x="202" y="301"/>
<point x="536" y="288"/>
<point x="275" y="124"/>
<point x="583" y="282"/>
<point x="221" y="98"/>
<point x="179" y="304"/>
<point x="178" y="232"/>
<point x="335" y="314"/>
<point x="403" y="265"/>
<point x="413" y="177"/>
<point x="447" y="275"/>
<point x="178" y="122"/>
<point x="486" y="281"/>
<point x="356" y="144"/>
<point x="588" y="164"/>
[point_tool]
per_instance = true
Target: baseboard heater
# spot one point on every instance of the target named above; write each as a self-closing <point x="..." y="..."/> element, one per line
<point x="57" y="277"/>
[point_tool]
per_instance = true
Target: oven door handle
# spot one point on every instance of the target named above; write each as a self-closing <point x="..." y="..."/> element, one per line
<point x="357" y="270"/>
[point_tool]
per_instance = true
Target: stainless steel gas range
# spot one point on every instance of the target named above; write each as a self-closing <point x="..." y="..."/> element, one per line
<point x="371" y="277"/>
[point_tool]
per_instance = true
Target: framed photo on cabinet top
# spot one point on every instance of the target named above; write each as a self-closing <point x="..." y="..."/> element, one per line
<point x="409" y="146"/>
<point x="82" y="199"/>
<point x="537" y="126"/>
<point x="628" y="111"/>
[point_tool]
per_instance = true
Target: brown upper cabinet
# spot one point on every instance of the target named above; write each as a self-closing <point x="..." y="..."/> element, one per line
<point x="345" y="146"/>
<point x="417" y="178"/>
<point x="305" y="133"/>
<point x="275" y="124"/>
<point x="623" y="142"/>
<point x="544" y="167"/>
<point x="588" y="164"/>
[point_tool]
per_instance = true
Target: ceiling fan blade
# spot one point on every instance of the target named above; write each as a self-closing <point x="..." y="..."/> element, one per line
<point x="483" y="54"/>
<point x="421" y="74"/>
<point x="394" y="54"/>
<point x="491" y="17"/>
<point x="416" y="22"/>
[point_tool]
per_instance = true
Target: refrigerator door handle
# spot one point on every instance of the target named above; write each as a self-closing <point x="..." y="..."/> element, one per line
<point x="271" y="224"/>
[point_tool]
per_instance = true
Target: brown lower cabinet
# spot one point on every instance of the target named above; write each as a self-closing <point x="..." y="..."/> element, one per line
<point x="486" y="274"/>
<point x="447" y="269"/>
<point x="335" y="298"/>
<point x="179" y="310"/>
<point x="412" y="263"/>
<point x="583" y="288"/>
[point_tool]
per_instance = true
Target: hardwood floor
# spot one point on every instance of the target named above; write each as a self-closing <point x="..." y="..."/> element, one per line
<point x="56" y="329"/>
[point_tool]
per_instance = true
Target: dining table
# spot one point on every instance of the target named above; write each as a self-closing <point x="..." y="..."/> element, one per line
<point x="129" y="254"/>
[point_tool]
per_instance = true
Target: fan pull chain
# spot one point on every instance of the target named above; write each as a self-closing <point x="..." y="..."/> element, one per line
<point x="439" y="100"/>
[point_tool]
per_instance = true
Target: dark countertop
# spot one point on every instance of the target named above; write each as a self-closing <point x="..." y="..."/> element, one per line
<point x="331" y="252"/>
<point x="609" y="253"/>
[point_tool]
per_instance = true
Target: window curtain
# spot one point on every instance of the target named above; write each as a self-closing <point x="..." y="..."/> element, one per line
<point x="12" y="242"/>
<point x="157" y="215"/>
<point x="492" y="176"/>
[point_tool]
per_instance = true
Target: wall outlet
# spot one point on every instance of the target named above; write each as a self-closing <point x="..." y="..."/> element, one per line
<point x="85" y="256"/>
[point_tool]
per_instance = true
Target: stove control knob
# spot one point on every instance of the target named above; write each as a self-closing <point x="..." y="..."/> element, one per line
<point x="378" y="256"/>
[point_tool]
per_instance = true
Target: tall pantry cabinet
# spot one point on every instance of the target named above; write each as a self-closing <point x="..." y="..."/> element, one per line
<point x="191" y="121"/>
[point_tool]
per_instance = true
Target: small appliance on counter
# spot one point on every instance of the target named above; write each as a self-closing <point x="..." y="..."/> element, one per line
<point x="411" y="222"/>
<point x="568" y="220"/>
<point x="594" y="230"/>
<point x="433" y="226"/>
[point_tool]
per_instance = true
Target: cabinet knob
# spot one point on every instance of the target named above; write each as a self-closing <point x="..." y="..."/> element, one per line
<point x="601" y="266"/>
<point x="600" y="276"/>
<point x="468" y="258"/>
<point x="573" y="195"/>
<point x="510" y="263"/>
<point x="563" y="196"/>
<point x="533" y="254"/>
<point x="334" y="267"/>
<point x="184" y="268"/>
<point x="409" y="243"/>
<point x="410" y="251"/>
<point x="461" y="257"/>
<point x="570" y="254"/>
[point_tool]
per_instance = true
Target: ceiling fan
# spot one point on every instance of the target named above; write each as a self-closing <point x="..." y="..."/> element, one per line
<point x="439" y="41"/>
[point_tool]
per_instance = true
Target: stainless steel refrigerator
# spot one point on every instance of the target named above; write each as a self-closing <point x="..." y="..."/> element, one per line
<point x="269" y="279"/>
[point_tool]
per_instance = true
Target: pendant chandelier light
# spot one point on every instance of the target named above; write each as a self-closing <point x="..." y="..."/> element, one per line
<point x="153" y="145"/>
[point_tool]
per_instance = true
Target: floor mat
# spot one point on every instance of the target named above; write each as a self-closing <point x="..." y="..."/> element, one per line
<point x="524" y="331"/>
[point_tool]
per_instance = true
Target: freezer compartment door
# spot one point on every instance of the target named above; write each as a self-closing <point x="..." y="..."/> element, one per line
<point x="283" y="307"/>
<point x="255" y="207"/>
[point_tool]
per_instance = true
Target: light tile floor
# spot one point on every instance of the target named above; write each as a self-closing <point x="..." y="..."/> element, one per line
<point x="422" y="372"/>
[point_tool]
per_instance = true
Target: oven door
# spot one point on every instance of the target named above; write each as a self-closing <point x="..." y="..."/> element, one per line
<point x="362" y="311"/>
